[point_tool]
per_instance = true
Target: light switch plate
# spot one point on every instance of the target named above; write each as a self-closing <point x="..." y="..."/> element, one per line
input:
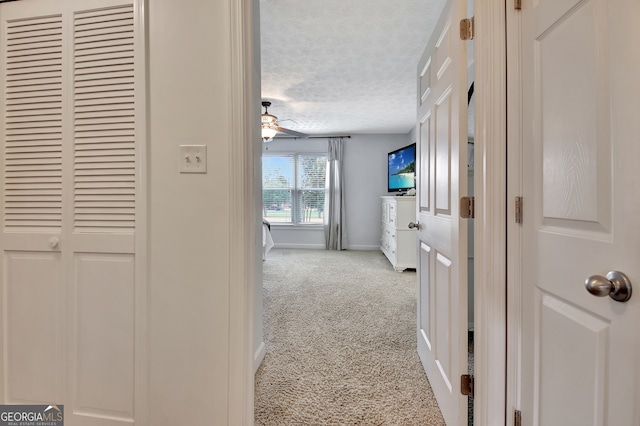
<point x="193" y="159"/>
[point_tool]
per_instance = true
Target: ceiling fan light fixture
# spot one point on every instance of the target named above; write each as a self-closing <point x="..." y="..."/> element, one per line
<point x="270" y="126"/>
<point x="269" y="119"/>
<point x="268" y="133"/>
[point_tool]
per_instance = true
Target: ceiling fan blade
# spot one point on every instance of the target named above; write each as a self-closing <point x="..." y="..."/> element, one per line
<point x="288" y="119"/>
<point x="291" y="132"/>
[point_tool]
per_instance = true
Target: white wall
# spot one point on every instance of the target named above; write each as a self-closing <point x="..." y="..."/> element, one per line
<point x="189" y="276"/>
<point x="298" y="237"/>
<point x="365" y="172"/>
<point x="365" y="164"/>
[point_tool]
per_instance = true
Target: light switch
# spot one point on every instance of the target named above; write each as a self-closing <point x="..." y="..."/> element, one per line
<point x="193" y="159"/>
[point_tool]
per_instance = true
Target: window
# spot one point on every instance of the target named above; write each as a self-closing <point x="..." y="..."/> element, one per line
<point x="293" y="188"/>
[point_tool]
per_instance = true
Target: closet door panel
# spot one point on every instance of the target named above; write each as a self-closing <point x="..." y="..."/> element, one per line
<point x="104" y="328"/>
<point x="32" y="271"/>
<point x="70" y="73"/>
<point x="34" y="314"/>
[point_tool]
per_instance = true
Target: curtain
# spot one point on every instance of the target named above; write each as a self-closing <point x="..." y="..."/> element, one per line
<point x="335" y="232"/>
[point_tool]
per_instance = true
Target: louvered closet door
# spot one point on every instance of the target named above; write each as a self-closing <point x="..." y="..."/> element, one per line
<point x="69" y="194"/>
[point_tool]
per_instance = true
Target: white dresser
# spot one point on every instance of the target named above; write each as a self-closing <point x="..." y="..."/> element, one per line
<point x="398" y="242"/>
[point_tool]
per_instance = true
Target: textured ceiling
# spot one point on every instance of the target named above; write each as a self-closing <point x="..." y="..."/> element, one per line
<point x="344" y="66"/>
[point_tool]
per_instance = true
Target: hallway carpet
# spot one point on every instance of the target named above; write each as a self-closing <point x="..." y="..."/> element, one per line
<point x="340" y="335"/>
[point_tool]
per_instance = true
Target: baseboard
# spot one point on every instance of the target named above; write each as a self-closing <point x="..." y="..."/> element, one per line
<point x="364" y="247"/>
<point x="300" y="246"/>
<point x="258" y="357"/>
<point x="322" y="247"/>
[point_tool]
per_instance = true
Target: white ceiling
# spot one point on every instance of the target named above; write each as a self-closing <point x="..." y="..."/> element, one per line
<point x="342" y="67"/>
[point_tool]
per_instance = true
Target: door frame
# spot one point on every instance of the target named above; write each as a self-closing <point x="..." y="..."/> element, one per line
<point x="244" y="103"/>
<point x="514" y="125"/>
<point x="492" y="211"/>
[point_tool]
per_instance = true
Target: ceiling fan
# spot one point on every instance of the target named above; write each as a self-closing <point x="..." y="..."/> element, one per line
<point x="270" y="126"/>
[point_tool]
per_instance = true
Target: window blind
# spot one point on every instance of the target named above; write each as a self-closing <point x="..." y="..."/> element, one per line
<point x="293" y="188"/>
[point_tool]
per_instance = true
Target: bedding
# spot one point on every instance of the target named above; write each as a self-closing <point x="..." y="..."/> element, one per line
<point x="267" y="240"/>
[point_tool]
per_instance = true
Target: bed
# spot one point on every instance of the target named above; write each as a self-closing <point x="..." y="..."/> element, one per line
<point x="267" y="240"/>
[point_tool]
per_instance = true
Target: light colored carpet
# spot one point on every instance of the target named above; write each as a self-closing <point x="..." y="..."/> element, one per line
<point x="340" y="333"/>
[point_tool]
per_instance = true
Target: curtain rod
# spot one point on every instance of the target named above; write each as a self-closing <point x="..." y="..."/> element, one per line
<point x="311" y="137"/>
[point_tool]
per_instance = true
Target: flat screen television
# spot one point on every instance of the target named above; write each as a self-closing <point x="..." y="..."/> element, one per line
<point x="401" y="172"/>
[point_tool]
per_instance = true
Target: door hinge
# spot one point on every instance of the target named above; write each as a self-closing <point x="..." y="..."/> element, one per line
<point x="467" y="28"/>
<point x="517" y="418"/>
<point x="466" y="384"/>
<point x="518" y="209"/>
<point x="517" y="4"/>
<point x="467" y="207"/>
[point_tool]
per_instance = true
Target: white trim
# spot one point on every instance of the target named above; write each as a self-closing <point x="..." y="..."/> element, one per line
<point x="490" y="235"/>
<point x="490" y="238"/>
<point x="514" y="231"/>
<point x="258" y="357"/>
<point x="300" y="246"/>
<point x="297" y="226"/>
<point x="142" y="364"/>
<point x="292" y="153"/>
<point x="364" y="248"/>
<point x="244" y="130"/>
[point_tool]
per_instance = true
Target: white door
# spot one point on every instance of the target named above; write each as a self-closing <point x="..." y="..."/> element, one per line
<point x="71" y="293"/>
<point x="581" y="148"/>
<point x="442" y="237"/>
